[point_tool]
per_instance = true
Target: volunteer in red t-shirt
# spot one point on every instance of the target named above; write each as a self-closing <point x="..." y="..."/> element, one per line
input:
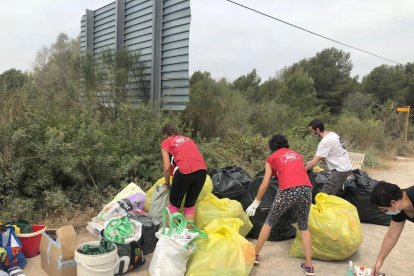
<point x="294" y="188"/>
<point x="182" y="159"/>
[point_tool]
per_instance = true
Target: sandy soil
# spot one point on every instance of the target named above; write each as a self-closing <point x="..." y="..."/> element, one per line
<point x="275" y="260"/>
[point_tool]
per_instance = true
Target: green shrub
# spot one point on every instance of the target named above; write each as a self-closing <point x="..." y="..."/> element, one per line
<point x="359" y="105"/>
<point x="371" y="157"/>
<point x="361" y="134"/>
<point x="14" y="208"/>
<point x="56" y="202"/>
<point x="306" y="145"/>
<point x="270" y="117"/>
<point x="246" y="151"/>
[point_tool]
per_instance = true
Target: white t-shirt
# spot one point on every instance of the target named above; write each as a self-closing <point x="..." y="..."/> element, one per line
<point x="332" y="148"/>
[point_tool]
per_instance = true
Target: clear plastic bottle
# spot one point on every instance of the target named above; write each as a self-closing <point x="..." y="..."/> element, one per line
<point x="350" y="269"/>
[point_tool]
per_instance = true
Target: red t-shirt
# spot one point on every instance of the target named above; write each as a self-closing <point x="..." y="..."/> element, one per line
<point x="185" y="153"/>
<point x="288" y="166"/>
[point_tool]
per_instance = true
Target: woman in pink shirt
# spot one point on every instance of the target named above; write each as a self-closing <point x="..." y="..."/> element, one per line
<point x="294" y="188"/>
<point x="182" y="159"/>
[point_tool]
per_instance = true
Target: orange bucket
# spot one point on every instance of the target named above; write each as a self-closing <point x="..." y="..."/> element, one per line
<point x="31" y="241"/>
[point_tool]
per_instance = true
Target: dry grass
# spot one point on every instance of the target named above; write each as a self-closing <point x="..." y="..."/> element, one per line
<point x="78" y="218"/>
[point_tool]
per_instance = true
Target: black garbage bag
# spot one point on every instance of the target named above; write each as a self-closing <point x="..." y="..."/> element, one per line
<point x="150" y="226"/>
<point x="317" y="180"/>
<point x="283" y="229"/>
<point x="230" y="182"/>
<point x="358" y="191"/>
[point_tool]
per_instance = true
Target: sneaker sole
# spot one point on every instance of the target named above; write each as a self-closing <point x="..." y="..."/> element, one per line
<point x="308" y="273"/>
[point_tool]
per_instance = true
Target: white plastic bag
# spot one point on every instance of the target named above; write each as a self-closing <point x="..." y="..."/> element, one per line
<point x="159" y="201"/>
<point x="174" y="246"/>
<point x="170" y="258"/>
<point x="184" y="238"/>
<point x="96" y="225"/>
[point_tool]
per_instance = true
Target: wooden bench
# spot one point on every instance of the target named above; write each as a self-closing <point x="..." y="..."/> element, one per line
<point x="357" y="160"/>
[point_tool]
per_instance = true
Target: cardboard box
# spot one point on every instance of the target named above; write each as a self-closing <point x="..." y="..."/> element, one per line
<point x="57" y="249"/>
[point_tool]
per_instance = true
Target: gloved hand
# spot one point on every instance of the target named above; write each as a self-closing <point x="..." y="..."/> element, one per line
<point x="251" y="210"/>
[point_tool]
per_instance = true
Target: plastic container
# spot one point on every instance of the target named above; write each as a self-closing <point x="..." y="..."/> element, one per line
<point x="31" y="241"/>
<point x="350" y="270"/>
<point x="96" y="265"/>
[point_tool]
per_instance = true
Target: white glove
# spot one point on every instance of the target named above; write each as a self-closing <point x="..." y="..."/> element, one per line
<point x="251" y="210"/>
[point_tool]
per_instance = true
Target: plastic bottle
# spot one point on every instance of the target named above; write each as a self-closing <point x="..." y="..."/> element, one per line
<point x="350" y="269"/>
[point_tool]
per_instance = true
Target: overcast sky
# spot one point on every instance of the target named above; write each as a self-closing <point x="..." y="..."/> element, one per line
<point x="229" y="41"/>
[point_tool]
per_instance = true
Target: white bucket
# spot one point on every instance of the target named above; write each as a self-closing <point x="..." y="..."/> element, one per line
<point x="96" y="265"/>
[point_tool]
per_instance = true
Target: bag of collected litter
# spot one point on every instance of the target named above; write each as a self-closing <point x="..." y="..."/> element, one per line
<point x="174" y="247"/>
<point x="283" y="229"/>
<point x="211" y="208"/>
<point x="11" y="243"/>
<point x="121" y="207"/>
<point x="224" y="252"/>
<point x="126" y="234"/>
<point x="149" y="227"/>
<point x="207" y="188"/>
<point x="230" y="182"/>
<point x="318" y="180"/>
<point x="130" y="189"/>
<point x="130" y="199"/>
<point x="335" y="229"/>
<point x="159" y="200"/>
<point x="358" y="191"/>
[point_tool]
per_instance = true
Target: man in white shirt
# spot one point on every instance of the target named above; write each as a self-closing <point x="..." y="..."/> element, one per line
<point x="332" y="149"/>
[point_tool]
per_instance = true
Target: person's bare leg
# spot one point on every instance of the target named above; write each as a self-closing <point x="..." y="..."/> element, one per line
<point x="190" y="217"/>
<point x="172" y="210"/>
<point x="263" y="236"/>
<point x="190" y="214"/>
<point x="307" y="246"/>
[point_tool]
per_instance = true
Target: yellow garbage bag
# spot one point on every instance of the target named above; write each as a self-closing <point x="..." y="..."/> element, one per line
<point x="335" y="228"/>
<point x="207" y="188"/>
<point x="211" y="208"/>
<point x="224" y="252"/>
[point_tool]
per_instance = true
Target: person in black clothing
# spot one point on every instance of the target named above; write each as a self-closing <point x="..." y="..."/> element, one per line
<point x="399" y="204"/>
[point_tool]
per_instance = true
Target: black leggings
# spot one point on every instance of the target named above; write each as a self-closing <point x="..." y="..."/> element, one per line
<point x="188" y="185"/>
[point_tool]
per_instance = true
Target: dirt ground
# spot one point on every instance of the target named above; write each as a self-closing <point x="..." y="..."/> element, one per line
<point x="275" y="259"/>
